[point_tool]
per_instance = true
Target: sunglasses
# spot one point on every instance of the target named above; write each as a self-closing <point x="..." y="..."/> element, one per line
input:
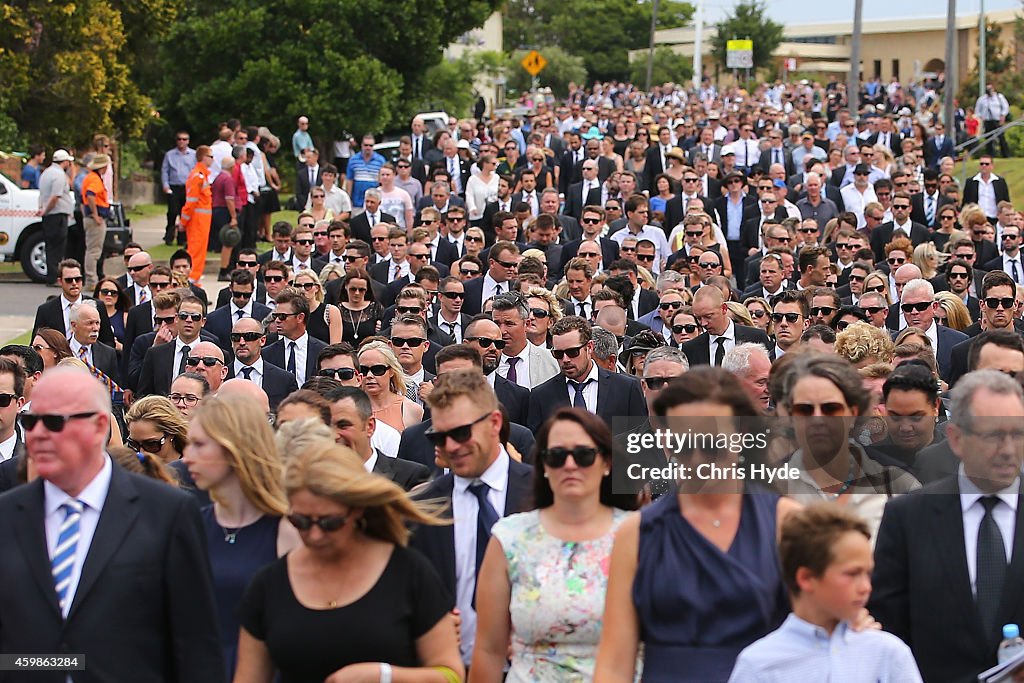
<point x="281" y="317"/>
<point x="247" y="336"/>
<point x="453" y="295"/>
<point x="108" y="292"/>
<point x="415" y="310"/>
<point x="474" y="238"/>
<point x="830" y="409"/>
<point x="352" y="259"/>
<point x="53" y="423"/>
<point x="900" y="206"/>
<point x="194" y="317"/>
<point x="896" y="261"/>
<point x="822" y="310"/>
<point x="236" y="294"/>
<point x="858" y="278"/>
<point x="708" y="264"/>
<point x="506" y="264"/>
<point x="654" y="384"/>
<point x="135" y="269"/>
<point x="304" y="242"/>
<point x="590" y="221"/>
<point x="485" y="342"/>
<point x="380" y="239"/>
<point x="460" y="434"/>
<point x="583" y="456"/>
<point x="273" y="278"/>
<point x="377" y="370"/>
<point x="471" y="271"/>
<point x="539" y="313"/>
<point x="1006" y="302"/>
<point x="874" y="310"/>
<point x="399" y="342"/>
<point x="208" y="361"/>
<point x="343" y="374"/>
<point x="572" y="352"/>
<point x="627" y="250"/>
<point x="808" y="231"/>
<point x="245" y="264"/>
<point x="670" y="304"/>
<point x="688" y="329"/>
<point x="757" y="313"/>
<point x="588" y="254"/>
<point x="327" y="524"/>
<point x="308" y="286"/>
<point x="958" y="276"/>
<point x="158" y="285"/>
<point x="645" y="257"/>
<point x="923" y="306"/>
<point x="5" y="399"/>
<point x="694" y="233"/>
<point x="790" y="318"/>
<point x="72" y="279"/>
<point x="148" y="445"/>
<point x="187" y="400"/>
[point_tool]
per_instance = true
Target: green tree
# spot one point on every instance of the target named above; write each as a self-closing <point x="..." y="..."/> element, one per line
<point x="749" y="21"/>
<point x="561" y="70"/>
<point x="450" y="85"/>
<point x="600" y="31"/>
<point x="345" y="65"/>
<point x="998" y="63"/>
<point x="668" y="66"/>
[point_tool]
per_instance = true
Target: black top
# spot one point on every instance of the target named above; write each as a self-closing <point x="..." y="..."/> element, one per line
<point x="307" y="645"/>
<point x="316" y="323"/>
<point x="358" y="325"/>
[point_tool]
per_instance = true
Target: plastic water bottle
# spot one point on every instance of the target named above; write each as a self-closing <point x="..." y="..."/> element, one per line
<point x="1012" y="644"/>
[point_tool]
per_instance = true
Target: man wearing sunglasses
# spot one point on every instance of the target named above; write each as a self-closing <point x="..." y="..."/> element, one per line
<point x="502" y="269"/>
<point x="207" y="360"/>
<point x="12" y="398"/>
<point x="241" y="305"/>
<point x="164" y="362"/>
<point x="1009" y="261"/>
<point x="449" y="316"/>
<point x="136" y="280"/>
<point x="899" y="225"/>
<point x="339" y="362"/>
<point x="302" y="251"/>
<point x="789" y="315"/>
<point x="56" y="312"/>
<point x="581" y="382"/>
<point x="483" y="485"/>
<point x="248" y="259"/>
<point x="296" y="351"/>
<point x="917" y="302"/>
<point x="998" y="289"/>
<point x="720" y="334"/>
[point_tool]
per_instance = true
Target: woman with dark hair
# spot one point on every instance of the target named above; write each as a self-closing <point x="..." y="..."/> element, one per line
<point x="543" y="579"/>
<point x="115" y="301"/>
<point x="716" y="539"/>
<point x="51" y="345"/>
<point x="846" y="316"/>
<point x="360" y="314"/>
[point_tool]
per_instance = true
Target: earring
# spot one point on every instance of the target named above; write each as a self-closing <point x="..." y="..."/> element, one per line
<point x="545" y="475"/>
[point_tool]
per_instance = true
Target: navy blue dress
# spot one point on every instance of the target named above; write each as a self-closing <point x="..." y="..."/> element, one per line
<point x="234" y="565"/>
<point x="698" y="606"/>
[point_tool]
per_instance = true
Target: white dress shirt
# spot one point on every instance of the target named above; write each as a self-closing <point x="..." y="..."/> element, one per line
<point x="973" y="511"/>
<point x="456" y="325"/>
<point x="93" y="496"/>
<point x="522" y="367"/>
<point x="589" y="391"/>
<point x="490" y="287"/>
<point x="1008" y="265"/>
<point x="371" y="462"/>
<point x="65" y="306"/>
<point x="385" y="439"/>
<point x="256" y="376"/>
<point x="987" y="195"/>
<point x="587" y="304"/>
<point x="301" y="349"/>
<point x="246" y="310"/>
<point x="464" y="512"/>
<point x="7" y="446"/>
<point x="178" y="344"/>
<point x="76" y="351"/>
<point x="139" y="291"/>
<point x="730" y="341"/>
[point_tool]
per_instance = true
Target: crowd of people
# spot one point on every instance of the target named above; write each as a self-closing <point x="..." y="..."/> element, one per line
<point x="409" y="441"/>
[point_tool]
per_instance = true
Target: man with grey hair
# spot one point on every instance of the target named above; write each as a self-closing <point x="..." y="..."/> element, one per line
<point x="661" y="365"/>
<point x="752" y="365"/>
<point x="969" y="524"/>
<point x="85" y="344"/>
<point x="918" y="305"/>
<point x="606" y="349"/>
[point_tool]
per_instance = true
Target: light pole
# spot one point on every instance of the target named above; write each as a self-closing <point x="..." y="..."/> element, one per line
<point x="853" y="78"/>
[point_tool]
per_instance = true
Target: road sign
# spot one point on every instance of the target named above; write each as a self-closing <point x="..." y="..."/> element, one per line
<point x="791" y="64"/>
<point x="534" y="63"/>
<point x="739" y="54"/>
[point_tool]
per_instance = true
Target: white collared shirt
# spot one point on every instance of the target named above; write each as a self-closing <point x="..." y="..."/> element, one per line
<point x="256" y="376"/>
<point x="301" y="348"/>
<point x="7" y="446"/>
<point x="93" y="496"/>
<point x="65" y="306"/>
<point x="298" y="265"/>
<point x="464" y="512"/>
<point x="587" y="304"/>
<point x="178" y="344"/>
<point x="1007" y="260"/>
<point x="589" y="391"/>
<point x="371" y="462"/>
<point x="139" y="290"/>
<point x="458" y="242"/>
<point x="403" y="269"/>
<point x="385" y="439"/>
<point x="987" y="195"/>
<point x="730" y="341"/>
<point x="905" y="227"/>
<point x="247" y="310"/>
<point x="456" y="324"/>
<point x="1005" y="516"/>
<point x="76" y="347"/>
<point x="489" y="287"/>
<point x="522" y="367"/>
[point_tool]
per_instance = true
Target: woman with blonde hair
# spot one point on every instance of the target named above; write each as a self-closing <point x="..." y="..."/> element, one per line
<point x="324" y="319"/>
<point x="863" y="344"/>
<point x="952" y="312"/>
<point x="474" y="241"/>
<point x="884" y="160"/>
<point x="232" y="456"/>
<point x="739" y="313"/>
<point x="352" y="602"/>
<point x="878" y="282"/>
<point x="331" y="271"/>
<point x="929" y="259"/>
<point x="155" y="426"/>
<point x="971" y="217"/>
<point x="545" y="311"/>
<point x="384" y="383"/>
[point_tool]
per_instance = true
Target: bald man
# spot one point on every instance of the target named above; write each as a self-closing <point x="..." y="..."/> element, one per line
<point x="242" y="387"/>
<point x="207" y="359"/>
<point x="720" y="334"/>
<point x="136" y="281"/>
<point x="85" y="536"/>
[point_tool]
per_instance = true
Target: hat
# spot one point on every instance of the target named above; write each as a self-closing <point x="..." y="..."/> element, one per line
<point x="646" y="119"/>
<point x="779" y="183"/>
<point x="678" y="122"/>
<point x="733" y="174"/>
<point x="905" y="111"/>
<point x="230" y="235"/>
<point x="62" y="155"/>
<point x="807" y="134"/>
<point x="675" y="153"/>
<point x="642" y="344"/>
<point x="99" y="161"/>
<point x="861" y="169"/>
<point x="728" y="150"/>
<point x="713" y="116"/>
<point x="462" y="144"/>
<point x="592" y="134"/>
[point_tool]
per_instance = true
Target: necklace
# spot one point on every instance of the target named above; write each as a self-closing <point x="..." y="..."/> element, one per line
<point x="843" y="488"/>
<point x="355" y="323"/>
<point x="229" y="534"/>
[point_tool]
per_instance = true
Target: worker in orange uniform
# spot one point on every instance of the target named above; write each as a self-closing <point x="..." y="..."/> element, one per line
<point x="198" y="211"/>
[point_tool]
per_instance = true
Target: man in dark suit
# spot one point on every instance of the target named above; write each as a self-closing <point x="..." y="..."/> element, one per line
<point x="918" y="305"/>
<point x="295" y="344"/>
<point x="720" y="331"/>
<point x="901" y="222"/>
<point x="308" y="177"/>
<point x="927" y="203"/>
<point x="85" y="344"/>
<point x="242" y="306"/>
<point x="96" y="555"/>
<point x="364" y="222"/>
<point x="282" y="251"/>
<point x="164" y="362"/>
<point x="513" y="397"/>
<point x="954" y="537"/>
<point x="987" y="176"/>
<point x="998" y="289"/>
<point x="247" y="342"/>
<point x="354" y="424"/>
<point x="484" y="484"/>
<point x="592" y="224"/>
<point x="584" y="193"/>
<point x="938" y="146"/>
<point x="888" y="136"/>
<point x="248" y="260"/>
<point x="676" y="208"/>
<point x="706" y="147"/>
<point x="136" y="285"/>
<point x="55" y="312"/>
<point x="776" y="154"/>
<point x="581" y="382"/>
<point x="656" y="162"/>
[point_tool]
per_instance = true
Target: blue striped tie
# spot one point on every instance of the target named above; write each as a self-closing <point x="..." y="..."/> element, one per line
<point x="63" y="562"/>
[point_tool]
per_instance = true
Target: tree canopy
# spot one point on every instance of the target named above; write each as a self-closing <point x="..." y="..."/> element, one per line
<point x="749" y="20"/>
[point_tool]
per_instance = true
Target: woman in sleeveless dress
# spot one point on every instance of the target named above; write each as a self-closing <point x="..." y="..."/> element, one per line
<point x="695" y="576"/>
<point x="324" y="320"/>
<point x="384" y="383"/>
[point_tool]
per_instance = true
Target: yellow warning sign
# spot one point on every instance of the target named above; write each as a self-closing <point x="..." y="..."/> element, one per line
<point x="534" y="63"/>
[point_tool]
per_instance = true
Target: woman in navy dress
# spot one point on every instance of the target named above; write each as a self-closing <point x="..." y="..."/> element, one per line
<point x="695" y="577"/>
<point x="231" y="454"/>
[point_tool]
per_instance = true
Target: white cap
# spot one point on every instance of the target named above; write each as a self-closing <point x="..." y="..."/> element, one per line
<point x="462" y="144"/>
<point x="62" y="155"/>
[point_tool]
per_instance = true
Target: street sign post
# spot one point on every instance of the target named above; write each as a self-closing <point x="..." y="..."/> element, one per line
<point x="534" y="63"/>
<point x="739" y="54"/>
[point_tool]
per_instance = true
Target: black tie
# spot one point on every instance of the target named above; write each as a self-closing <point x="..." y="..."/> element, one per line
<point x="486" y="517"/>
<point x="720" y="353"/>
<point x="1016" y="276"/>
<point x="416" y="152"/>
<point x="312" y="176"/>
<point x="991" y="566"/>
<point x="247" y="372"/>
<point x="291" y="357"/>
<point x="578" y="401"/>
<point x="583" y="309"/>
<point x="185" y="350"/>
<point x="450" y="326"/>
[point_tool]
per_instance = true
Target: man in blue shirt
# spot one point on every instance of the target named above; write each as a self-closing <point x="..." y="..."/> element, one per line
<point x="362" y="171"/>
<point x="301" y="140"/>
<point x="174" y="170"/>
<point x="30" y="172"/>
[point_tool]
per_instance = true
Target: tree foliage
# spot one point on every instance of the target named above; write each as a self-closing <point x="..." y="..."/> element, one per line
<point x="450" y="85"/>
<point x="668" y="67"/>
<point x="998" y="63"/>
<point x="601" y="32"/>
<point x="749" y="20"/>
<point x="561" y="70"/>
<point x="346" y="65"/>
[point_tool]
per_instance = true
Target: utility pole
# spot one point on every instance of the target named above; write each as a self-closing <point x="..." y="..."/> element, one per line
<point x="951" y="66"/>
<point x="650" y="52"/>
<point x="982" y="49"/>
<point x="698" y="46"/>
<point x="853" y="78"/>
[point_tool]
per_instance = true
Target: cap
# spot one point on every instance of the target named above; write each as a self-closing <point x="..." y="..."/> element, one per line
<point x="713" y="116"/>
<point x="462" y="144"/>
<point x="808" y="135"/>
<point x="728" y="150"/>
<point x="861" y="169"/>
<point x="678" y="122"/>
<point x="99" y="161"/>
<point x="779" y="183"/>
<point x="62" y="155"/>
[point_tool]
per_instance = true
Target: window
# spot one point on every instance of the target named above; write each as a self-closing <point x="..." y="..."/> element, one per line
<point x="896" y="69"/>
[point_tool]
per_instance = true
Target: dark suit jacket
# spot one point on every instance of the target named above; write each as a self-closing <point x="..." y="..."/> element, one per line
<point x="919" y="555"/>
<point x="574" y="201"/>
<point x="277" y="383"/>
<point x="948" y="338"/>
<point x="426" y="200"/>
<point x="274" y="354"/>
<point x="617" y="396"/>
<point x="415" y="447"/>
<point x="609" y="252"/>
<point x="697" y="349"/>
<point x="157" y="371"/>
<point x="721" y="207"/>
<point x="934" y="152"/>
<point x="220" y="322"/>
<point x="360" y="226"/>
<point x="302" y="185"/>
<point x="104" y="358"/>
<point x="271" y="255"/>
<point x="139" y="322"/>
<point x="675" y="213"/>
<point x="715" y="156"/>
<point x="648" y="302"/>
<point x="405" y="473"/>
<point x="515" y="398"/>
<point x="132" y="369"/>
<point x="917" y="212"/>
<point x="882" y="235"/>
<point x="940" y="283"/>
<point x="49" y="314"/>
<point x="767" y="159"/>
<point x="1002" y="191"/>
<point x="487" y="220"/>
<point x="997" y="264"/>
<point x="145" y="580"/>
<point x="438" y="542"/>
<point x="895" y="140"/>
<point x="652" y="167"/>
<point x="224" y="295"/>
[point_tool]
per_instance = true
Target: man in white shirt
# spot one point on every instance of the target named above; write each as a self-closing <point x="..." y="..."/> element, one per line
<point x="1011" y="261"/>
<point x="247" y="340"/>
<point x="451" y="294"/>
<point x="409" y="343"/>
<point x="12" y="390"/>
<point x="637" y="213"/>
<point x="579" y="275"/>
<point x="335" y="198"/>
<point x="859" y="193"/>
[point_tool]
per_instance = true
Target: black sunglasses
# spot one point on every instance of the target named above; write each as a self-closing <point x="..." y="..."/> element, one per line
<point x="875" y="310"/>
<point x="108" y="292"/>
<point x="539" y="313"/>
<point x="327" y="524"/>
<point x="460" y="434"/>
<point x="880" y="289"/>
<point x="407" y="341"/>
<point x="148" y="445"/>
<point x="590" y="221"/>
<point x="831" y="409"/>
<point x="688" y="328"/>
<point x="453" y="295"/>
<point x="822" y="310"/>
<point x="246" y="264"/>
<point x="53" y="423"/>
<point x="166" y="320"/>
<point x="572" y="352"/>
<point x="194" y="317"/>
<point x="247" y="336"/>
<point x="670" y="304"/>
<point x="135" y="269"/>
<point x="235" y="294"/>
<point x="415" y="310"/>
<point x="343" y="374"/>
<point x="583" y="456"/>
<point x="1006" y="302"/>
<point x="377" y="370"/>
<point x="208" y="361"/>
<point x="273" y="278"/>
<point x="486" y="342"/>
<point x="923" y="306"/>
<point x="154" y="285"/>
<point x="790" y="318"/>
<point x="5" y="399"/>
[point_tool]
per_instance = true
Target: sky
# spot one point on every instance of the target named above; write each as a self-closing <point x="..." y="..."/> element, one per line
<point x="803" y="12"/>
